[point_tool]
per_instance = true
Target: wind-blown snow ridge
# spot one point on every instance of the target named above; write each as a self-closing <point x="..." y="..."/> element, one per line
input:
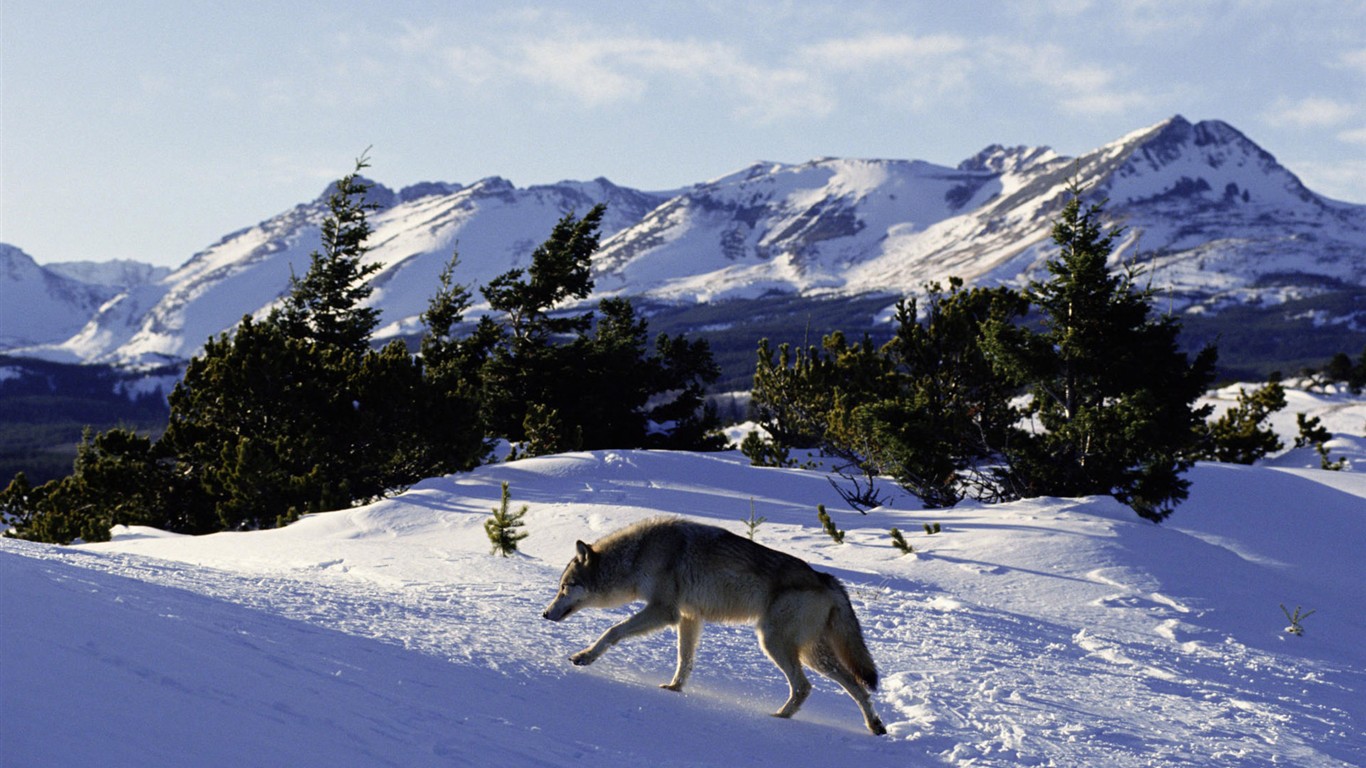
<point x="1049" y="631"/>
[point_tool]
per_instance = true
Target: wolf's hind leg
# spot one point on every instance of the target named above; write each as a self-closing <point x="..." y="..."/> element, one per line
<point x="689" y="633"/>
<point x="784" y="653"/>
<point x="649" y="619"/>
<point x="822" y="658"/>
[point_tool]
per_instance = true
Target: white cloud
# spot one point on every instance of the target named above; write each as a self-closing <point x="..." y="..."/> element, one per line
<point x="912" y="70"/>
<point x="1310" y="112"/>
<point x="594" y="72"/>
<point x="880" y="49"/>
<point x="1339" y="179"/>
<point x="1146" y="19"/>
<point x="599" y="70"/>
<point x="1355" y="60"/>
<point x="1353" y="136"/>
<point x="1079" y="88"/>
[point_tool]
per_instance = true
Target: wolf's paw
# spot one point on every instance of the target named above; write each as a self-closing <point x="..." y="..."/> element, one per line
<point x="583" y="658"/>
<point x="671" y="686"/>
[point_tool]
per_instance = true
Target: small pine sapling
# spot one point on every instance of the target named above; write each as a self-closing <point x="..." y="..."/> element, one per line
<point x="828" y="525"/>
<point x="1312" y="433"/>
<point x="752" y="523"/>
<point x="900" y="542"/>
<point x="932" y="529"/>
<point x="502" y="526"/>
<point x="1295" y="627"/>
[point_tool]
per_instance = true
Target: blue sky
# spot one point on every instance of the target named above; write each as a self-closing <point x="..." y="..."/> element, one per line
<point x="148" y="130"/>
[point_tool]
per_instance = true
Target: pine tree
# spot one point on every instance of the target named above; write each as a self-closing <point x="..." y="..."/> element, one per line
<point x="296" y="413"/>
<point x="118" y="478"/>
<point x="1312" y="433"/>
<point x="1240" y="435"/>
<point x="899" y="541"/>
<point x="526" y="360"/>
<point x="502" y="526"/>
<point x="950" y="420"/>
<point x="1112" y="394"/>
<point x="262" y="421"/>
<point x="452" y="429"/>
<point x="326" y="305"/>
<point x="828" y="525"/>
<point x="583" y="379"/>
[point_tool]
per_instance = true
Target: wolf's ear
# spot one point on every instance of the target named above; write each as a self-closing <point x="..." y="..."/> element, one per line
<point x="585" y="552"/>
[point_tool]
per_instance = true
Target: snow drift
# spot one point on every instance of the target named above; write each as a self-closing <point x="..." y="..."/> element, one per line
<point x="1041" y="632"/>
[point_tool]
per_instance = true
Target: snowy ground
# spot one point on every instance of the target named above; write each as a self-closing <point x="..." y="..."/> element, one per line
<point x="1044" y="632"/>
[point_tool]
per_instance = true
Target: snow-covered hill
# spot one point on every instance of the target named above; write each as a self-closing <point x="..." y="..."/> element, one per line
<point x="1041" y="632"/>
<point x="1214" y="215"/>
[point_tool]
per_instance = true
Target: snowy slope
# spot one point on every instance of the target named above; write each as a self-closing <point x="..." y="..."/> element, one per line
<point x="1217" y="219"/>
<point x="1216" y="216"/>
<point x="415" y="231"/>
<point x="781" y="227"/>
<point x="39" y="305"/>
<point x="1041" y="632"/>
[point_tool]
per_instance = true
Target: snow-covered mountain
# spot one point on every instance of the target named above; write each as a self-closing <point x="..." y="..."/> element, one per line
<point x="415" y="231"/>
<point x="117" y="273"/>
<point x="1217" y="219"/>
<point x="1215" y="215"/>
<point x="47" y="304"/>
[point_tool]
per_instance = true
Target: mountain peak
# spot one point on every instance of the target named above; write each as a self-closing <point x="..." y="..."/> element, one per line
<point x="1001" y="159"/>
<point x="377" y="195"/>
<point x="1210" y="161"/>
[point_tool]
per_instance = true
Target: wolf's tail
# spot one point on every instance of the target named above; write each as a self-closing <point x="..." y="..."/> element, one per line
<point x="845" y="635"/>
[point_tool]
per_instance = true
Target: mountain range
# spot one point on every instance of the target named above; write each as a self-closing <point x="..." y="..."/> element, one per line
<point x="1215" y="221"/>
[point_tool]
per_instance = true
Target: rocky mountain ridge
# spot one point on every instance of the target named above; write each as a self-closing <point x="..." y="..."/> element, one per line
<point x="1215" y="220"/>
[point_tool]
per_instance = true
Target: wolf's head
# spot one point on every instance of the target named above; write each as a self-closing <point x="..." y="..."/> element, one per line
<point x="575" y="584"/>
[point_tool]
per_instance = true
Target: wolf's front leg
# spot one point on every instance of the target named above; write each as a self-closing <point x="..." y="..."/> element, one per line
<point x="649" y="619"/>
<point x="689" y="632"/>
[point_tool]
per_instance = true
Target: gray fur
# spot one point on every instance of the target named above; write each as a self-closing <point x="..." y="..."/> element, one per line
<point x="688" y="573"/>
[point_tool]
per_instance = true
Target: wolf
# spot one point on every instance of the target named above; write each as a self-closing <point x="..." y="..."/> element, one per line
<point x="688" y="573"/>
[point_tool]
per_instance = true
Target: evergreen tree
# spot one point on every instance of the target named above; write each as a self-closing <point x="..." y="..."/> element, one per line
<point x="561" y="380"/>
<point x="828" y="525"/>
<point x="50" y="512"/>
<point x="262" y="420"/>
<point x="502" y="525"/>
<point x="681" y="372"/>
<point x="792" y="396"/>
<point x="944" y="432"/>
<point x="1240" y="435"/>
<point x="453" y="428"/>
<point x="1340" y="369"/>
<point x="526" y="359"/>
<point x="926" y="408"/>
<point x="326" y="305"/>
<point x="1112" y="394"/>
<point x="296" y="413"/>
<point x="118" y="478"/>
<point x="1313" y="433"/>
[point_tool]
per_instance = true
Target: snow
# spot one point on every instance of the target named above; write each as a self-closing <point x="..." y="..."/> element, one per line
<point x="1041" y="632"/>
<point x="39" y="305"/>
<point x="1213" y="216"/>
